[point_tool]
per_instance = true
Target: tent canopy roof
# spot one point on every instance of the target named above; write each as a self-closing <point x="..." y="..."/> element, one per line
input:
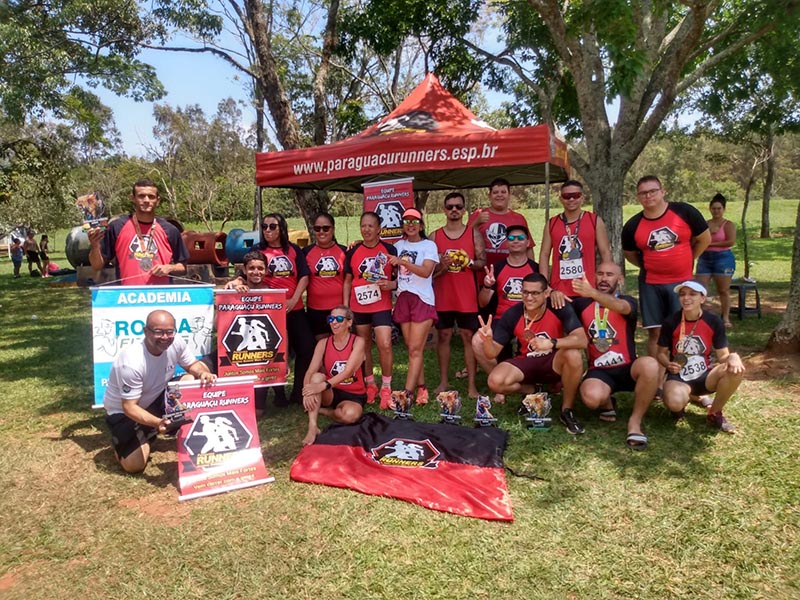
<point x="431" y="137"/>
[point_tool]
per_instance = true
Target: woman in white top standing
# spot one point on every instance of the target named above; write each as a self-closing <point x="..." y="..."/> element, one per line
<point x="415" y="309"/>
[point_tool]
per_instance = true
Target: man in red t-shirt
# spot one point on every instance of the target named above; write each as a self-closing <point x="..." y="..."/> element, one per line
<point x="492" y="222"/>
<point x="461" y="253"/>
<point x="146" y="249"/>
<point x="663" y="240"/>
<point x="576" y="238"/>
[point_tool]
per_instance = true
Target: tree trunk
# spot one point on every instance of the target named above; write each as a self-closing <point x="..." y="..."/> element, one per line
<point x="606" y="187"/>
<point x="310" y="202"/>
<point x="769" y="182"/>
<point x="786" y="337"/>
<point x="745" y="248"/>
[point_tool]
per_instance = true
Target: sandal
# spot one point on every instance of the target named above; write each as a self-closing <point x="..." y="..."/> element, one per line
<point x="636" y="441"/>
<point x="609" y="415"/>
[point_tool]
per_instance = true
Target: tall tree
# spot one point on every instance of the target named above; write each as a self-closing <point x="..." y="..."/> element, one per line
<point x="53" y="51"/>
<point x="575" y="64"/>
<point x="786" y="337"/>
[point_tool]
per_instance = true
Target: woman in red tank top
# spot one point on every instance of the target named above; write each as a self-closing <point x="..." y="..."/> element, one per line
<point x="334" y="383"/>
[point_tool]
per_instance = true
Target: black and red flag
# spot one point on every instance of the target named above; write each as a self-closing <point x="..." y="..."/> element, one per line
<point x="441" y="467"/>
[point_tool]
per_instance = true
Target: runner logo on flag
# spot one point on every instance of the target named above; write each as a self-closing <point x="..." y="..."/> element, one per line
<point x="215" y="437"/>
<point x="251" y="340"/>
<point x="400" y="452"/>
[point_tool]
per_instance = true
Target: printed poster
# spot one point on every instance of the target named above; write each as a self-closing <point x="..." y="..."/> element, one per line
<point x="219" y="451"/>
<point x="251" y="335"/>
<point x="119" y="314"/>
<point x="389" y="199"/>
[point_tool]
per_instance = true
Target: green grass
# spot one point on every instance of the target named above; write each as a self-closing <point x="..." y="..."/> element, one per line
<point x="698" y="515"/>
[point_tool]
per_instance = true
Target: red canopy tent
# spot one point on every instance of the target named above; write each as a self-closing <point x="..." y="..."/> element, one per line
<point x="431" y="137"/>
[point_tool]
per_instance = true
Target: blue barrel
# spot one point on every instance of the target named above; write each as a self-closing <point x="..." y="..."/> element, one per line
<point x="239" y="242"/>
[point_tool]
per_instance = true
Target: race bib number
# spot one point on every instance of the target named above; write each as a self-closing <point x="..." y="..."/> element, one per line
<point x="367" y="294"/>
<point x="570" y="269"/>
<point x="693" y="369"/>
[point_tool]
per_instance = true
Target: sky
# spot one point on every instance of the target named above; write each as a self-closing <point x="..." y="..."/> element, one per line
<point x="189" y="79"/>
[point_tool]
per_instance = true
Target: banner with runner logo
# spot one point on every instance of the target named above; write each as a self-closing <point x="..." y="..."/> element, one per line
<point x="389" y="199"/>
<point x="251" y="335"/>
<point x="442" y="467"/>
<point x="219" y="451"/>
<point x="119" y="314"/>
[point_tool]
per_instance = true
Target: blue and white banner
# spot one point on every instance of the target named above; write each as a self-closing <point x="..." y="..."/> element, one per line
<point x="119" y="314"/>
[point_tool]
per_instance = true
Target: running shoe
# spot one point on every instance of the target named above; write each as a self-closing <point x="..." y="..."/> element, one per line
<point x="372" y="391"/>
<point x="571" y="422"/>
<point x="386" y="397"/>
<point x="422" y="395"/>
<point x="719" y="421"/>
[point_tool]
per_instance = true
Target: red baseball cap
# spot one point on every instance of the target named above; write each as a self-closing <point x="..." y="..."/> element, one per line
<point x="412" y="213"/>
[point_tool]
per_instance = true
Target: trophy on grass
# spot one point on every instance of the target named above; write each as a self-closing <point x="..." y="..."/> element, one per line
<point x="450" y="404"/>
<point x="535" y="408"/>
<point x="401" y="405"/>
<point x="174" y="409"/>
<point x="484" y="418"/>
<point x="92" y="207"/>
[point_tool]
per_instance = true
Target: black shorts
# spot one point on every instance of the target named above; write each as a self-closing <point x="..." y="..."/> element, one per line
<point x="536" y="369"/>
<point x="318" y="319"/>
<point x="127" y="435"/>
<point x="377" y="319"/>
<point x="698" y="385"/>
<point x="657" y="302"/>
<point x="33" y="257"/>
<point x="617" y="378"/>
<point x="466" y="321"/>
<point x="340" y="396"/>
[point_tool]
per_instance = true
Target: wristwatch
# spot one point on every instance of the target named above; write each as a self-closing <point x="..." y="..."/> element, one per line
<point x="328" y="385"/>
<point x="554" y="341"/>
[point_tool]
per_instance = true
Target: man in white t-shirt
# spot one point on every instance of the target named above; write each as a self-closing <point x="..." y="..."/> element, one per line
<point x="134" y="398"/>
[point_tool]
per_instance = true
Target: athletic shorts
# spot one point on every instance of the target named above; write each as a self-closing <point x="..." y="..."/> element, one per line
<point x="617" y="378"/>
<point x="127" y="435"/>
<point x="33" y="257"/>
<point x="382" y="318"/>
<point x="536" y="369"/>
<point x="340" y="396"/>
<point x="698" y="385"/>
<point x="658" y="301"/>
<point x="720" y="263"/>
<point x="318" y="319"/>
<point x="409" y="308"/>
<point x="466" y="321"/>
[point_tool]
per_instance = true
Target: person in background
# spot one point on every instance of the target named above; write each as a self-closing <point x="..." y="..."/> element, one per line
<point x="325" y="259"/>
<point x="415" y="309"/>
<point x="44" y="255"/>
<point x="16" y="255"/>
<point x="32" y="252"/>
<point x="368" y="284"/>
<point x="718" y="260"/>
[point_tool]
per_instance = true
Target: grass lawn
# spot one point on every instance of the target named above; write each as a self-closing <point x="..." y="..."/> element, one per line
<point x="699" y="514"/>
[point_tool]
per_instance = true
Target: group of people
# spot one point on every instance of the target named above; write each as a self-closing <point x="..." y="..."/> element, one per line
<point x="525" y="330"/>
<point x="37" y="253"/>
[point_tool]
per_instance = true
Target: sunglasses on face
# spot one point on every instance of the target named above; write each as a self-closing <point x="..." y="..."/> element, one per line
<point x="411" y="221"/>
<point x="520" y="237"/>
<point x="270" y="226"/>
<point x="571" y="195"/>
<point x="336" y="318"/>
<point x="325" y="228"/>
<point x="454" y="206"/>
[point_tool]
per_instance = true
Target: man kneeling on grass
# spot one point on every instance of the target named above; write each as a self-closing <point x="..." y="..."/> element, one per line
<point x="550" y="344"/>
<point x="334" y="383"/>
<point x="684" y="349"/>
<point x="134" y="398"/>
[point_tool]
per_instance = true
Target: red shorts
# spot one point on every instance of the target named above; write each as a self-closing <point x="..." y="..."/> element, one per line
<point x="410" y="309"/>
<point x="537" y="369"/>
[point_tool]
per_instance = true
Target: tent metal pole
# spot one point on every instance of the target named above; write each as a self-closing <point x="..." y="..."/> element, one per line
<point x="257" y="212"/>
<point x="547" y="192"/>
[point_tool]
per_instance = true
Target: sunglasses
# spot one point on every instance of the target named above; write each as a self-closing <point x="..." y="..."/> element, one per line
<point x="336" y="318"/>
<point x="520" y="237"/>
<point x="325" y="228"/>
<point x="571" y="195"/>
<point x="454" y="206"/>
<point x="411" y="221"/>
<point x="270" y="226"/>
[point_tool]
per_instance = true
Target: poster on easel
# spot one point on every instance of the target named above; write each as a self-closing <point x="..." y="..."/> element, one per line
<point x="389" y="199"/>
<point x="251" y="335"/>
